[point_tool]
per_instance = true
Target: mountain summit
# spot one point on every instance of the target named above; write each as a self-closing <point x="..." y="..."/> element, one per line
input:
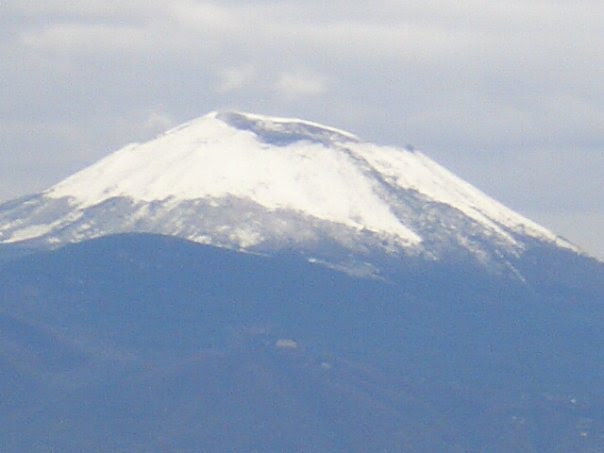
<point x="457" y="324"/>
<point x="261" y="183"/>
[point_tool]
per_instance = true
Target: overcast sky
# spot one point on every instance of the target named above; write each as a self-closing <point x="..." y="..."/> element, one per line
<point x="507" y="94"/>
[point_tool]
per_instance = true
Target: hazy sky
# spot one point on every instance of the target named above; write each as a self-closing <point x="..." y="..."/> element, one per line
<point x="507" y="94"/>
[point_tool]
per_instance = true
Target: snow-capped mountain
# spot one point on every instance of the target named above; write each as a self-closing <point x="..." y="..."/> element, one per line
<point x="260" y="183"/>
<point x="478" y="331"/>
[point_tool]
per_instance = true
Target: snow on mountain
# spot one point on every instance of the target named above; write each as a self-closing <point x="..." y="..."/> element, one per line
<point x="254" y="182"/>
<point x="209" y="158"/>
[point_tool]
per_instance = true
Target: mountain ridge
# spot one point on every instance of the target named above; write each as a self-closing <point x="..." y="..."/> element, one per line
<point x="263" y="184"/>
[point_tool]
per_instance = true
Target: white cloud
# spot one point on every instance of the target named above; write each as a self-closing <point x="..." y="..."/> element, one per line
<point x="235" y="78"/>
<point x="89" y="9"/>
<point x="294" y="86"/>
<point x="76" y="39"/>
<point x="158" y="121"/>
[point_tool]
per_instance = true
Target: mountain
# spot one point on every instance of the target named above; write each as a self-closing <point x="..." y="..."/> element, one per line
<point x="153" y="343"/>
<point x="263" y="184"/>
<point x="246" y="283"/>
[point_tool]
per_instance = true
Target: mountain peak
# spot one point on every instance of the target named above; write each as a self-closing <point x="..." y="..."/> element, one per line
<point x="284" y="131"/>
<point x="248" y="181"/>
<point x="270" y="130"/>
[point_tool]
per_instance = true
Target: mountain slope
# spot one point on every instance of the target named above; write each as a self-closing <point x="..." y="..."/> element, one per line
<point x="265" y="184"/>
<point x="144" y="343"/>
<point x="477" y="331"/>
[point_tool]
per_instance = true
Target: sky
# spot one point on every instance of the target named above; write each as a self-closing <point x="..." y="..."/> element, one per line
<point x="507" y="94"/>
